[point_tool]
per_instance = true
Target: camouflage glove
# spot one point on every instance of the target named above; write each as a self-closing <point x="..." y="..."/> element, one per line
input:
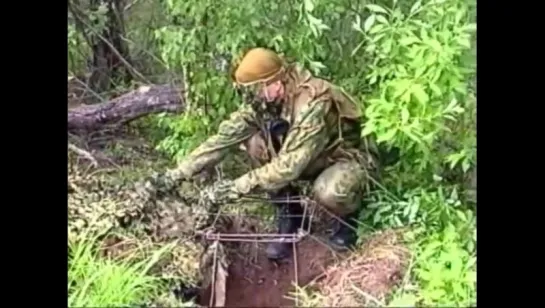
<point x="220" y="192"/>
<point x="179" y="174"/>
<point x="146" y="189"/>
<point x="163" y="182"/>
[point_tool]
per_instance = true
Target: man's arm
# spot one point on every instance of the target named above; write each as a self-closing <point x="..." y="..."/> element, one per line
<point x="240" y="126"/>
<point x="306" y="140"/>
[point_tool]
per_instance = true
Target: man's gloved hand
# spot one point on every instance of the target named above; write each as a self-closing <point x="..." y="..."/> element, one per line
<point x="147" y="188"/>
<point x="163" y="182"/>
<point x="173" y="177"/>
<point x="220" y="192"/>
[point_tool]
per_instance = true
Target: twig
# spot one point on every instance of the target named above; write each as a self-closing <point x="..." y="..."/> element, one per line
<point x="83" y="153"/>
<point x="296" y="275"/>
<point x="214" y="269"/>
<point x="87" y="88"/>
<point x="367" y="296"/>
<point x="130" y="5"/>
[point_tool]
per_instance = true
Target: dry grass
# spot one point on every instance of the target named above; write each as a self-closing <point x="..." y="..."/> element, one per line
<point x="368" y="276"/>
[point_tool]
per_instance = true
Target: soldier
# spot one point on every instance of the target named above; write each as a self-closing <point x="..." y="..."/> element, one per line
<point x="307" y="129"/>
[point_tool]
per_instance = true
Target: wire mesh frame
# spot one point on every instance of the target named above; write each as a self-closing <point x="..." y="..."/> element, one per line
<point x="309" y="208"/>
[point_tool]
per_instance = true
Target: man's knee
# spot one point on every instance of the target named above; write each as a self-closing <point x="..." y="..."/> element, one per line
<point x="340" y="188"/>
<point x="341" y="203"/>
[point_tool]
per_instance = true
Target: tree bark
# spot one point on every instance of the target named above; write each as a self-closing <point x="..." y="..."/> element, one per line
<point x="133" y="105"/>
<point x="110" y="52"/>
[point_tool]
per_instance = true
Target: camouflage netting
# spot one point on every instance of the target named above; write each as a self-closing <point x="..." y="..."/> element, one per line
<point x="102" y="201"/>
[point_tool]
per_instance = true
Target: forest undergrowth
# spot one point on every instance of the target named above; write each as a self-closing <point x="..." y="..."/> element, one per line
<point x="411" y="64"/>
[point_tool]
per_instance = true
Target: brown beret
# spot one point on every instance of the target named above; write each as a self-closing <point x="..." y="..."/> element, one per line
<point x="258" y="65"/>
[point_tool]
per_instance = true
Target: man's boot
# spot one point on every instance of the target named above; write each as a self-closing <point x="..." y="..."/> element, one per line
<point x="345" y="237"/>
<point x="288" y="219"/>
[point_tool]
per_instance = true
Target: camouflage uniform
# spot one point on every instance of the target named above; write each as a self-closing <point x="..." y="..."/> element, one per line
<point x="323" y="144"/>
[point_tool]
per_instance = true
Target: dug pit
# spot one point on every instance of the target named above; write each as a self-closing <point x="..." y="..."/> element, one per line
<point x="374" y="269"/>
<point x="266" y="283"/>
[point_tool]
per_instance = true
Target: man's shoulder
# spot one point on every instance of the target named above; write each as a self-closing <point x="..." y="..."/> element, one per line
<point x="312" y="88"/>
<point x="308" y="82"/>
<point x="318" y="89"/>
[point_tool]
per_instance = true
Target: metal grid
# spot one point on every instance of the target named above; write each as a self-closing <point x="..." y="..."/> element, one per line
<point x="309" y="210"/>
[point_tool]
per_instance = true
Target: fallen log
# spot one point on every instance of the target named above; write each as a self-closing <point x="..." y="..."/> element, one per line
<point x="128" y="107"/>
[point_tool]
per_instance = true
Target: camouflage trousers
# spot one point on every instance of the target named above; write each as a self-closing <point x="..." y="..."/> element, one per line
<point x="339" y="187"/>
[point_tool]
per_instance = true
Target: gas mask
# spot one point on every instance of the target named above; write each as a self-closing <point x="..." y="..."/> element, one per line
<point x="268" y="109"/>
<point x="273" y="104"/>
<point x="261" y="101"/>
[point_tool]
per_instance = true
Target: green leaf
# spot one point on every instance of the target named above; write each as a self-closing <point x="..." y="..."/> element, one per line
<point x="435" y="45"/>
<point x="356" y="25"/>
<point x="452" y="104"/>
<point x="414" y="211"/>
<point x="309" y="5"/>
<point x="405" y="300"/>
<point x="401" y="69"/>
<point x="471" y="27"/>
<point x="406" y="41"/>
<point x="453" y="160"/>
<point x="378" y="37"/>
<point x="389" y="135"/>
<point x="424" y="34"/>
<point x="465" y="42"/>
<point x="376" y="9"/>
<point x="465" y="165"/>
<point x="435" y="89"/>
<point x="458" y="109"/>
<point x="377" y="217"/>
<point x="416" y="6"/>
<point x="318" y="23"/>
<point x="382" y="19"/>
<point x="401" y="86"/>
<point x="373" y="79"/>
<point x="367" y="129"/>
<point x="405" y="115"/>
<point x="355" y="50"/>
<point x="419" y="93"/>
<point x="316" y="64"/>
<point x="377" y="29"/>
<point x="412" y="135"/>
<point x="406" y="97"/>
<point x="461" y="215"/>
<point x="369" y="22"/>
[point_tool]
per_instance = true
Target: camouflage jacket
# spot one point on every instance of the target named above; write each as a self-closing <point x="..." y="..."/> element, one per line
<point x="325" y="126"/>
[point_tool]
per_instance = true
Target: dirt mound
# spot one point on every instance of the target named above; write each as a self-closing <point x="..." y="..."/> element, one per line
<point x="368" y="275"/>
<point x="265" y="283"/>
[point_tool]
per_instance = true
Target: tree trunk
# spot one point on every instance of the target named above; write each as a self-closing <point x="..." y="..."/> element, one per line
<point x="133" y="105"/>
<point x="110" y="51"/>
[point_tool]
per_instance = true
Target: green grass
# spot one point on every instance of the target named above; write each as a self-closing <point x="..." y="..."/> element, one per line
<point x="96" y="281"/>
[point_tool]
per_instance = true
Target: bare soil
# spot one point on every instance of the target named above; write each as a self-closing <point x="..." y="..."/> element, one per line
<point x="266" y="283"/>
